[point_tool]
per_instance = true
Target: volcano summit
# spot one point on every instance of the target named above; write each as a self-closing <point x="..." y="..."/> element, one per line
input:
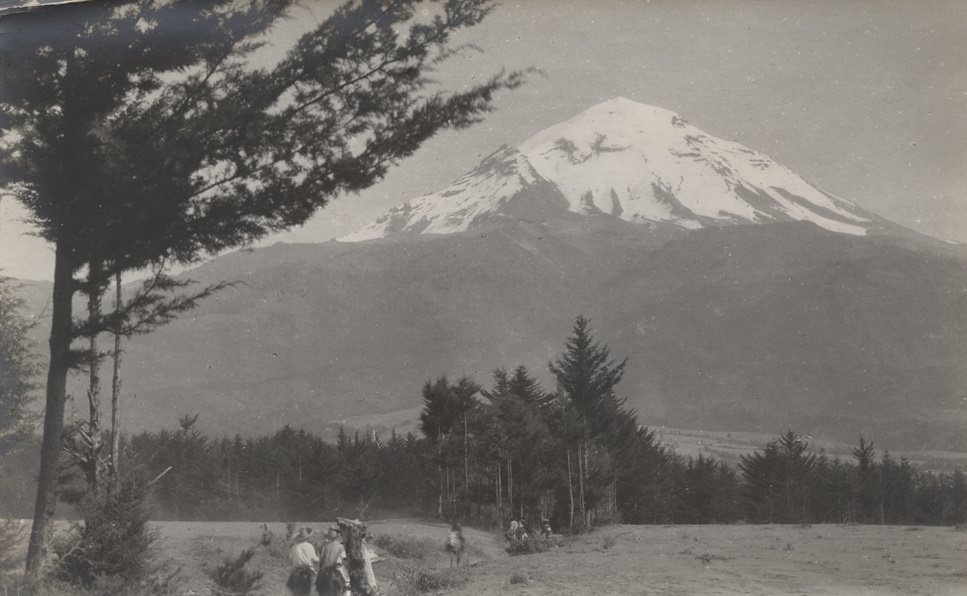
<point x="639" y="163"/>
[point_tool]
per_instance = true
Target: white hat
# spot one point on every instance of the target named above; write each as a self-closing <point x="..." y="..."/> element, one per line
<point x="303" y="534"/>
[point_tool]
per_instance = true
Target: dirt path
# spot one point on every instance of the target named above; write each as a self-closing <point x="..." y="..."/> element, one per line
<point x="820" y="560"/>
<point x="684" y="560"/>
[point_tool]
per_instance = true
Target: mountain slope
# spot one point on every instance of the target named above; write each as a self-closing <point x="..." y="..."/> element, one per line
<point x="758" y="328"/>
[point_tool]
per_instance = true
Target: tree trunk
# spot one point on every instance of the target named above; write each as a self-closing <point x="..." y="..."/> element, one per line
<point x="570" y="486"/>
<point x="882" y="492"/>
<point x="500" y="496"/>
<point x="353" y="532"/>
<point x="61" y="330"/>
<point x="439" y="501"/>
<point x="582" y="469"/>
<point x="94" y="388"/>
<point x="443" y="490"/>
<point x="453" y="492"/>
<point x="614" y="495"/>
<point x="116" y="390"/>
<point x="510" y="486"/>
<point x="466" y="465"/>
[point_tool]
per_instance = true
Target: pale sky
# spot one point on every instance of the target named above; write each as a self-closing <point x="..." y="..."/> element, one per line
<point x="865" y="99"/>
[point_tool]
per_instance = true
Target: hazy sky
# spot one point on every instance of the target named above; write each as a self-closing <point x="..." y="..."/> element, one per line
<point x="865" y="99"/>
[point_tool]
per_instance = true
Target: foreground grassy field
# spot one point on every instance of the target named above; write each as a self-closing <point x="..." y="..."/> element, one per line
<point x="620" y="560"/>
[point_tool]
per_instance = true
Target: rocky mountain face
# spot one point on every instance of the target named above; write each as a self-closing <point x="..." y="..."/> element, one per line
<point x="822" y="317"/>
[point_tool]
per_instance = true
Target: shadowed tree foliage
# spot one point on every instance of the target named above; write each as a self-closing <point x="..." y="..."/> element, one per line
<point x="137" y="133"/>
<point x="518" y="444"/>
<point x="17" y="368"/>
<point x="444" y="405"/>
<point x="781" y="481"/>
<point x="445" y="416"/>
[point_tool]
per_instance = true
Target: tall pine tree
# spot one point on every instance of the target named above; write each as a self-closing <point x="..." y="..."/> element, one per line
<point x="137" y="133"/>
<point x="586" y="377"/>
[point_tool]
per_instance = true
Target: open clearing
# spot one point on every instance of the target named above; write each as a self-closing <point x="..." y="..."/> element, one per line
<point x="680" y="560"/>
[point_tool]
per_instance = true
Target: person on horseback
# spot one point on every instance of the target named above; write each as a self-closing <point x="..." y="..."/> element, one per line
<point x="303" y="558"/>
<point x="545" y="529"/>
<point x="455" y="544"/>
<point x="511" y="534"/>
<point x="333" y="567"/>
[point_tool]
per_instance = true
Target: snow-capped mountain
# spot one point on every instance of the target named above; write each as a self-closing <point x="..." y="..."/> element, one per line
<point x="837" y="325"/>
<point x="640" y="163"/>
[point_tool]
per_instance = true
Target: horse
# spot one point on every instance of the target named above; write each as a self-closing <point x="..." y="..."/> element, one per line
<point x="300" y="580"/>
<point x="329" y="583"/>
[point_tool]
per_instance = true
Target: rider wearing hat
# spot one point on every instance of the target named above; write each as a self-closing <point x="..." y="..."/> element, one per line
<point x="303" y="557"/>
<point x="333" y="557"/>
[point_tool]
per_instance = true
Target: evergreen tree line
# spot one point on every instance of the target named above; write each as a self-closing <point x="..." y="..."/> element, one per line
<point x="576" y="456"/>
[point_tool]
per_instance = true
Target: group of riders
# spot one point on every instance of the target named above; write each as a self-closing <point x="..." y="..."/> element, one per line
<point x="328" y="569"/>
<point x="517" y="532"/>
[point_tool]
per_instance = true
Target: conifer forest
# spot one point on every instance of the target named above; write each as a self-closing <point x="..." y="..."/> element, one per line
<point x="514" y="450"/>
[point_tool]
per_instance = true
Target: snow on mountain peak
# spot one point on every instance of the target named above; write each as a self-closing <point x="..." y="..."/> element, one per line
<point x="640" y="163"/>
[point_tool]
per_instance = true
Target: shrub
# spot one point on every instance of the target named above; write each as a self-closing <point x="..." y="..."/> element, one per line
<point x="12" y="533"/>
<point x="162" y="581"/>
<point x="14" y="584"/>
<point x="608" y="541"/>
<point x="267" y="536"/>
<point x="231" y="578"/>
<point x="405" y="547"/>
<point x="517" y="578"/>
<point x="114" y="539"/>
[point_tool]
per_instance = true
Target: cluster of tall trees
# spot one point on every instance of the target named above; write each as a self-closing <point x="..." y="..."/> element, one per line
<point x="579" y="456"/>
<point x="516" y="450"/>
<point x="141" y="133"/>
<point x="575" y="456"/>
